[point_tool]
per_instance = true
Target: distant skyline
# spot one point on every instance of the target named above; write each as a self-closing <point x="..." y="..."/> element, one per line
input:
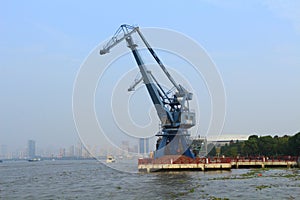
<point x="254" y="44"/>
<point x="32" y="149"/>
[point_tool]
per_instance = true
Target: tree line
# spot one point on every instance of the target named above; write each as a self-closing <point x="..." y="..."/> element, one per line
<point x="261" y="146"/>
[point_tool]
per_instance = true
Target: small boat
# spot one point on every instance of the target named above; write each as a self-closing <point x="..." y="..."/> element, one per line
<point x="1" y="161"/>
<point x="34" y="159"/>
<point x="110" y="159"/>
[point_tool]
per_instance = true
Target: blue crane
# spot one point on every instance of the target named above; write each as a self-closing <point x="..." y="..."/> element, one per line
<point x="172" y="107"/>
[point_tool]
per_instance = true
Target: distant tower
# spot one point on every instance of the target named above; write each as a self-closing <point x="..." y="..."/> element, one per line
<point x="31" y="148"/>
<point x="144" y="145"/>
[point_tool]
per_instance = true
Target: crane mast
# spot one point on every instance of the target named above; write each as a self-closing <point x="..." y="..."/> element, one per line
<point x="172" y="107"/>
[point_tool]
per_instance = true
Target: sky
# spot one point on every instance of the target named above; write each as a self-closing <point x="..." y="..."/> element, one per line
<point x="254" y="44"/>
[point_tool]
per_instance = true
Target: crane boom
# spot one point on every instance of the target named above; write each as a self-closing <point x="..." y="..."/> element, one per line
<point x="125" y="32"/>
<point x="172" y="108"/>
<point x="164" y="114"/>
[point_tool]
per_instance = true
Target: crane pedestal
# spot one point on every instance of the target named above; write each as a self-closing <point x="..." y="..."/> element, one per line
<point x="173" y="142"/>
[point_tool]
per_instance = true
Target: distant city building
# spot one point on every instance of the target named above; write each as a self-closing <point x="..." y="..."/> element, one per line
<point x="79" y="148"/>
<point x="85" y="152"/>
<point x="144" y="145"/>
<point x="62" y="153"/>
<point x="136" y="148"/>
<point x="31" y="149"/>
<point x="71" y="152"/>
<point x="3" y="151"/>
<point x="125" y="146"/>
<point x="226" y="138"/>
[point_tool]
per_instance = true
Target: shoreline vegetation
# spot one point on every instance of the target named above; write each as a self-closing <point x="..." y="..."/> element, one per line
<point x="260" y="146"/>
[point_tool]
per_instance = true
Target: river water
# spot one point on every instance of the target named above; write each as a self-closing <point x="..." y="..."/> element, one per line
<point x="90" y="179"/>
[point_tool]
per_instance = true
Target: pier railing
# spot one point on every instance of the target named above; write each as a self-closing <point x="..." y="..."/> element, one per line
<point x="176" y="162"/>
<point x="175" y="159"/>
<point x="265" y="159"/>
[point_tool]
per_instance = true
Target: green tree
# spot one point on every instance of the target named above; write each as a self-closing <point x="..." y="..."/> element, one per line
<point x="281" y="145"/>
<point x="294" y="145"/>
<point x="266" y="146"/>
<point x="251" y="146"/>
<point x="233" y="151"/>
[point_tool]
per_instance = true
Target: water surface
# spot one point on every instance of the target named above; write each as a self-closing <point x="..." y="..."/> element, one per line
<point x="89" y="179"/>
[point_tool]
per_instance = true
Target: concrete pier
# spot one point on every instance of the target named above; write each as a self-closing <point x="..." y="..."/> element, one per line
<point x="171" y="163"/>
<point x="187" y="167"/>
<point x="263" y="162"/>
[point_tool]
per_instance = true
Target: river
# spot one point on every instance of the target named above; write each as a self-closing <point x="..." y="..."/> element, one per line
<point x="90" y="179"/>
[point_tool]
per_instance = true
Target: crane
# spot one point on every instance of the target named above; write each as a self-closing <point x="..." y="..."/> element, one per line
<point x="172" y="106"/>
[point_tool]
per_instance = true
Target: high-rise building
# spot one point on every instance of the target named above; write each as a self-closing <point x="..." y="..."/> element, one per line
<point x="71" y="152"/>
<point x="144" y="145"/>
<point x="3" y="151"/>
<point x="62" y="152"/>
<point x="31" y="148"/>
<point x="79" y="148"/>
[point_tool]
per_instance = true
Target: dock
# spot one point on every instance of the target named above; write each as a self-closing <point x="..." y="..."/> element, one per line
<point x="262" y="162"/>
<point x="175" y="162"/>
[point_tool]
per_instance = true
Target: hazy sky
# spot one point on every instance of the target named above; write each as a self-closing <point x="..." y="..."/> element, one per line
<point x="255" y="45"/>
